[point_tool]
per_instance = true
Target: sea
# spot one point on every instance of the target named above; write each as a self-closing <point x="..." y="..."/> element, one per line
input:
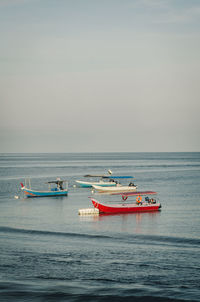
<point x="48" y="252"/>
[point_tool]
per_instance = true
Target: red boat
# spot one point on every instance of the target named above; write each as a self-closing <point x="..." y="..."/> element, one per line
<point x="147" y="205"/>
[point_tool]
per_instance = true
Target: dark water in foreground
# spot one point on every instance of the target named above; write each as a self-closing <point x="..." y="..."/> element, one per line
<point x="50" y="253"/>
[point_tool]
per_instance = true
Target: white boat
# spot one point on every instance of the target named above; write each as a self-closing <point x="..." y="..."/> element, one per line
<point x="117" y="189"/>
<point x="100" y="183"/>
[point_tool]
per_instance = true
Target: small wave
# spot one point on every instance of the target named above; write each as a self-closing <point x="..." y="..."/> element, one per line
<point x="127" y="238"/>
<point x="22" y="295"/>
<point x="166" y="239"/>
<point x="50" y="233"/>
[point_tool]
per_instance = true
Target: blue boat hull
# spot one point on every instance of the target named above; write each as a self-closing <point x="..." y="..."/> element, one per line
<point x="33" y="193"/>
<point x="86" y="184"/>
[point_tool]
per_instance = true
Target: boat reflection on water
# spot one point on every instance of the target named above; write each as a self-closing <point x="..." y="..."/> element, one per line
<point x="145" y="222"/>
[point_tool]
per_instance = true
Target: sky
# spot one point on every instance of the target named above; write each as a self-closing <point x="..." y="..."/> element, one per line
<point x="99" y="76"/>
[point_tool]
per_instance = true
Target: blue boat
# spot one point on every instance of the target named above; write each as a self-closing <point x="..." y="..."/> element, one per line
<point x="59" y="190"/>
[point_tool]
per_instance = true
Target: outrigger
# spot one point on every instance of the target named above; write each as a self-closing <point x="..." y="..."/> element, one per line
<point x="148" y="205"/>
<point x="59" y="190"/>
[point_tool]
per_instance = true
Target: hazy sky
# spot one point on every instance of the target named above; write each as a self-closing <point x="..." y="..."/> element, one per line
<point x="99" y="75"/>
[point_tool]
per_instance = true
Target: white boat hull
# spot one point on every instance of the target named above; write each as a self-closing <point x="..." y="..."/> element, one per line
<point x="116" y="189"/>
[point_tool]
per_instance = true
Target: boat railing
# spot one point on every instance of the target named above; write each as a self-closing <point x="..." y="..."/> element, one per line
<point x="28" y="182"/>
<point x="128" y="200"/>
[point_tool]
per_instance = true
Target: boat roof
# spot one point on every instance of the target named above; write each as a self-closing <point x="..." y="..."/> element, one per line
<point x="136" y="193"/>
<point x="108" y="176"/>
<point x="56" y="181"/>
<point x="122" y="176"/>
<point x="94" y="175"/>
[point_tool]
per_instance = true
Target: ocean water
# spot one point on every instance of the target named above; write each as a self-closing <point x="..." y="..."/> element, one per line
<point x="50" y="253"/>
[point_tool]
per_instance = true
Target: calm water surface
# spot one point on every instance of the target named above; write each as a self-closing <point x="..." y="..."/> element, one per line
<point x="50" y="253"/>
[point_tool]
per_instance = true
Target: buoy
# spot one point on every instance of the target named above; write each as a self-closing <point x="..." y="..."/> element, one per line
<point x="16" y="197"/>
<point x="88" y="211"/>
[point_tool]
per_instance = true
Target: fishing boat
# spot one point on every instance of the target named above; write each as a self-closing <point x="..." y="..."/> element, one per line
<point x="100" y="183"/>
<point x="118" y="188"/>
<point x="59" y="189"/>
<point x="139" y="205"/>
<point x="106" y="180"/>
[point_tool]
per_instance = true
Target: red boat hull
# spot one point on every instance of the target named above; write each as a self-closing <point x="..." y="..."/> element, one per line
<point x="125" y="208"/>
